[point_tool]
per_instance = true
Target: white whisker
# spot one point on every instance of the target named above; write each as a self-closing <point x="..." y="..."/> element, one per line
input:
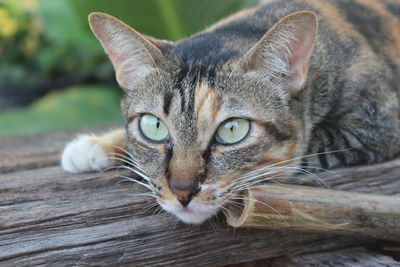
<point x="142" y="175"/>
<point x="141" y="194"/>
<point x="269" y="206"/>
<point x="129" y="158"/>
<point x="127" y="161"/>
<point x="149" y="206"/>
<point x="138" y="182"/>
<point x="300" y="157"/>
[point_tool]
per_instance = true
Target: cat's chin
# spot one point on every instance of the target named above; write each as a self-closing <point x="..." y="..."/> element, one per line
<point x="193" y="214"/>
<point x="193" y="217"/>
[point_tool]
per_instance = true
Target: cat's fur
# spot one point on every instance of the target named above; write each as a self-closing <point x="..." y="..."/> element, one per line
<point x="346" y="97"/>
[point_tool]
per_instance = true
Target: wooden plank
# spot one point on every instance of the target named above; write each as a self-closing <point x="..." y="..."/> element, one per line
<point x="49" y="217"/>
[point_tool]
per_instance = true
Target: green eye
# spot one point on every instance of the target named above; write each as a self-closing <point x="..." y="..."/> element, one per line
<point x="232" y="131"/>
<point x="153" y="128"/>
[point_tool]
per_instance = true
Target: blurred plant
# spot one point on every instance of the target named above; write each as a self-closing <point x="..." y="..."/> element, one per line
<point x="37" y="55"/>
<point x="78" y="106"/>
<point x="47" y="45"/>
<point x="19" y="40"/>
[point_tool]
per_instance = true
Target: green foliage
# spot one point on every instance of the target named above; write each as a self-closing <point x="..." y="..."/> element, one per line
<point x="72" y="47"/>
<point x="43" y="40"/>
<point x="164" y="19"/>
<point x="75" y="107"/>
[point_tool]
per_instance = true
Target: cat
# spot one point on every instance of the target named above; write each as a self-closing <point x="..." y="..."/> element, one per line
<point x="251" y="98"/>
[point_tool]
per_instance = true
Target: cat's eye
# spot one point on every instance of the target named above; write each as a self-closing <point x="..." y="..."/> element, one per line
<point x="232" y="131"/>
<point x="153" y="128"/>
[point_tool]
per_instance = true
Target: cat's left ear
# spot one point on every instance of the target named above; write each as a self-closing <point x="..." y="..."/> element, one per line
<point x="284" y="52"/>
<point x="132" y="54"/>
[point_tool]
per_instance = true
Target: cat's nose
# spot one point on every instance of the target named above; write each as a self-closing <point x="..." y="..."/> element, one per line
<point x="184" y="192"/>
<point x="184" y="196"/>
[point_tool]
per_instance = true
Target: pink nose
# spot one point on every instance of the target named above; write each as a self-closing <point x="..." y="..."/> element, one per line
<point x="184" y="196"/>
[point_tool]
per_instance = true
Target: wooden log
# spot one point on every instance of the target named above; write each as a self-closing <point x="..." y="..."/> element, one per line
<point x="309" y="209"/>
<point x="51" y="218"/>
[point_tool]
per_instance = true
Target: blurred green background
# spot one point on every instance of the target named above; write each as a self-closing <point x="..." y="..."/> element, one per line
<point x="54" y="74"/>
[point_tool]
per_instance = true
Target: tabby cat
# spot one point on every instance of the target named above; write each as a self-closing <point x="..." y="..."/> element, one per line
<point x="249" y="98"/>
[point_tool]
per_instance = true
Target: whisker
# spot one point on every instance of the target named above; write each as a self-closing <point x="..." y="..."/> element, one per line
<point x="300" y="170"/>
<point x="210" y="220"/>
<point x="122" y="165"/>
<point x="149" y="206"/>
<point x="234" y="202"/>
<point x="128" y="155"/>
<point x="256" y="172"/>
<point x="141" y="194"/>
<point x="252" y="179"/>
<point x="272" y="179"/>
<point x="129" y="158"/>
<point x="264" y="186"/>
<point x="269" y="206"/>
<point x="252" y="182"/>
<point x="158" y="211"/>
<point x="127" y="161"/>
<point x="142" y="175"/>
<point x="138" y="182"/>
<point x="302" y="157"/>
<point x="317" y="178"/>
<point x="314" y="167"/>
<point x="228" y="212"/>
<point x="123" y="150"/>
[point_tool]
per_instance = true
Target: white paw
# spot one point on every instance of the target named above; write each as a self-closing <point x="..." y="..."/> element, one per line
<point x="83" y="155"/>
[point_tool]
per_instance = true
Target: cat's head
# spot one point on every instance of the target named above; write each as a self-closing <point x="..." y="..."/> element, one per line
<point x="202" y="132"/>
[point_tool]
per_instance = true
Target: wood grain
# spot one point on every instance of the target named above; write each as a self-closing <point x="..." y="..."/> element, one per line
<point x="49" y="217"/>
<point x="355" y="257"/>
<point x="37" y="150"/>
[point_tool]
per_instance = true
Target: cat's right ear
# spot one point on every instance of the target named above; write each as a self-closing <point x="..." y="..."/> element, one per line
<point x="132" y="54"/>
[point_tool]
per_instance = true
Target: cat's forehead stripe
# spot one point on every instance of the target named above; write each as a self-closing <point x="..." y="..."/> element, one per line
<point x="206" y="101"/>
<point x="201" y="93"/>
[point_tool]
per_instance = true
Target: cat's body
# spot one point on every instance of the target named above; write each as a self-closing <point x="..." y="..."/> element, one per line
<point x="346" y="97"/>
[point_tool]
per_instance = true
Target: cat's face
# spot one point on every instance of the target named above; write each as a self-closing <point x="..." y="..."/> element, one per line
<point x="208" y="137"/>
<point x="200" y="137"/>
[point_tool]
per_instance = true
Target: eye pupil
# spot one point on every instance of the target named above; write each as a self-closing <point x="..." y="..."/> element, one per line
<point x="158" y="123"/>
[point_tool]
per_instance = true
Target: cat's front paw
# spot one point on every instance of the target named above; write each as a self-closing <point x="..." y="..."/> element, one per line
<point x="84" y="154"/>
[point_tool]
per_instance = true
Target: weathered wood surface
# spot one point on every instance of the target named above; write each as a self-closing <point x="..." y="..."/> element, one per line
<point x="48" y="217"/>
<point x="354" y="257"/>
<point x="34" y="151"/>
